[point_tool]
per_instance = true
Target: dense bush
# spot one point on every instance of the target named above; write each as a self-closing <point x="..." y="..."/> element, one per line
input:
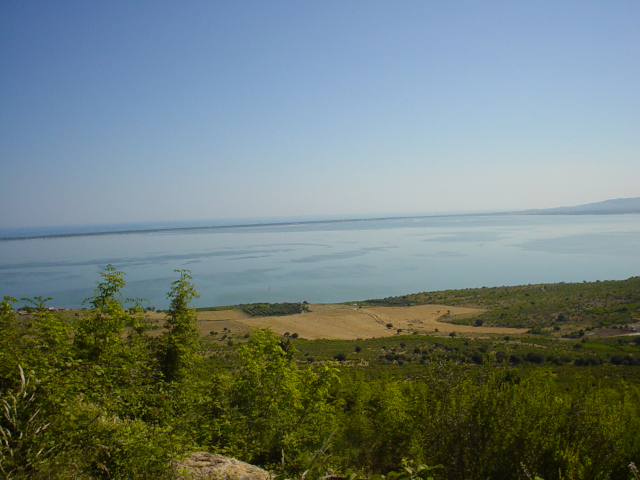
<point x="274" y="309"/>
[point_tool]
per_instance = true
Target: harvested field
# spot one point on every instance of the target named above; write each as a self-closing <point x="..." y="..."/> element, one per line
<point x="342" y="322"/>
<point x="212" y="321"/>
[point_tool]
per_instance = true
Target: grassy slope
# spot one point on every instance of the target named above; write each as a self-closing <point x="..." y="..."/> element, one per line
<point x="593" y="304"/>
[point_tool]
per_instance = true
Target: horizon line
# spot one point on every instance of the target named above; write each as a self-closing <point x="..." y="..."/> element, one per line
<point x="245" y="225"/>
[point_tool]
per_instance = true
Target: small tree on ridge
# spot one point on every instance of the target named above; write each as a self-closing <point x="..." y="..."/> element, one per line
<point x="180" y="344"/>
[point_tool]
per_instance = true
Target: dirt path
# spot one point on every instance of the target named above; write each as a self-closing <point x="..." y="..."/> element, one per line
<point x="374" y="316"/>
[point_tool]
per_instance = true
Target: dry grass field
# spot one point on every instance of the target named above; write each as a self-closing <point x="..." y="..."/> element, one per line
<point x="342" y="322"/>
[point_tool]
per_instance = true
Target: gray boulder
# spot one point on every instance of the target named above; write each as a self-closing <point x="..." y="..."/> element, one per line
<point x="205" y="466"/>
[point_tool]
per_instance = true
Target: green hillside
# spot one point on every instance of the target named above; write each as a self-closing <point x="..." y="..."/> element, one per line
<point x="97" y="394"/>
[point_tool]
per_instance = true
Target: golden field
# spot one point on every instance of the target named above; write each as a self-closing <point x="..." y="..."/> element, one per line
<point x="344" y="322"/>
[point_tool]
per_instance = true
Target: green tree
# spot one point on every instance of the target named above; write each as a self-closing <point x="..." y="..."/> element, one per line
<point x="180" y="344"/>
<point x="50" y="332"/>
<point x="114" y="351"/>
<point x="283" y="410"/>
<point x="101" y="330"/>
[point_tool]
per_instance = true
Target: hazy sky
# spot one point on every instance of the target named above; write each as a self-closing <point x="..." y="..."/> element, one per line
<point x="116" y="111"/>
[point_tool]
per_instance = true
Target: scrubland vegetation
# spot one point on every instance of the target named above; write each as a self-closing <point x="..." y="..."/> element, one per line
<point x="93" y="395"/>
<point x="595" y="304"/>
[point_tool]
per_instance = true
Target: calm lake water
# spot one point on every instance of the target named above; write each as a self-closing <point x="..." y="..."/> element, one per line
<point x="329" y="262"/>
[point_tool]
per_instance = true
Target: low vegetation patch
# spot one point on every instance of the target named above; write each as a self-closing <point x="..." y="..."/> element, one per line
<point x="273" y="309"/>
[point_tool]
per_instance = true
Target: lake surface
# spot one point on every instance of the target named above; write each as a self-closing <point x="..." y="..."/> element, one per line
<point x="330" y="261"/>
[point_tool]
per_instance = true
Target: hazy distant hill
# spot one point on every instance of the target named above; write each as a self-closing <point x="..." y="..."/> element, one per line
<point x="619" y="205"/>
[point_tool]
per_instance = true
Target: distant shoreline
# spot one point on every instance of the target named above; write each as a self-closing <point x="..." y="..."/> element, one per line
<point x="238" y="225"/>
<point x="563" y="211"/>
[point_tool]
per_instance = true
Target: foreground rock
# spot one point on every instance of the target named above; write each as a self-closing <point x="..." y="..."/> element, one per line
<point x="204" y="465"/>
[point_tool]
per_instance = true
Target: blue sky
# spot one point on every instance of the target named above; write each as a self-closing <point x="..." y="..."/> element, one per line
<point x="116" y="111"/>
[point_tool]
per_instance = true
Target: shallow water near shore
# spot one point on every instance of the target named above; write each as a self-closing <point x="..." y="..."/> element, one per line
<point x="329" y="261"/>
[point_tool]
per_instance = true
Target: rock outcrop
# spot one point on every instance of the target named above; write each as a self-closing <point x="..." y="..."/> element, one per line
<point x="205" y="466"/>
